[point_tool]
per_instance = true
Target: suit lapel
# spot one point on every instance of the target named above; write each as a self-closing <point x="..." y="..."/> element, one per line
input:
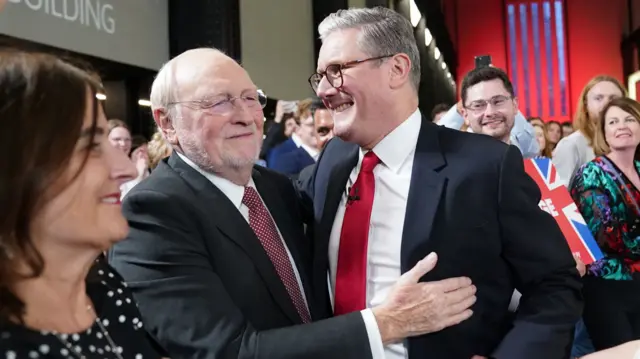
<point x="425" y="192"/>
<point x="228" y="219"/>
<point x="336" y="183"/>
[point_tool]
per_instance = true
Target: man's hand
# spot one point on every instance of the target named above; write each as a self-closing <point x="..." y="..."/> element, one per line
<point x="414" y="308"/>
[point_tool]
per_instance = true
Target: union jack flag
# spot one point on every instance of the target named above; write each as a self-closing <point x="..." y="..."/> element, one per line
<point x="556" y="201"/>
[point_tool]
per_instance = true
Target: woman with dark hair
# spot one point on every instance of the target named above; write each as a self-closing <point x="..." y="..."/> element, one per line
<point x="60" y="210"/>
<point x="607" y="192"/>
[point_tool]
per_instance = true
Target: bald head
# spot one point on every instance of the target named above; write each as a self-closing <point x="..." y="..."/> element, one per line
<point x="208" y="109"/>
<point x="183" y="71"/>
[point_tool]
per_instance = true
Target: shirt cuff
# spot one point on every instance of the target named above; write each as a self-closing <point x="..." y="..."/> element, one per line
<point x="373" y="332"/>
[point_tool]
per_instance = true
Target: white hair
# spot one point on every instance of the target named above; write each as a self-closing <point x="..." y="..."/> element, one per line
<point x="383" y="32"/>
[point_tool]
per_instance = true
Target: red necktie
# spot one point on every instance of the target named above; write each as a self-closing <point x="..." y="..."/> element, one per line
<point x="265" y="229"/>
<point x="351" y="276"/>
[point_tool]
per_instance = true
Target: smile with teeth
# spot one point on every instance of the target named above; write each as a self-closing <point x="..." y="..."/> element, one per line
<point x="111" y="200"/>
<point x="343" y="107"/>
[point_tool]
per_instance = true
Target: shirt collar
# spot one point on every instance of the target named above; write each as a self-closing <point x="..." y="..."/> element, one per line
<point x="296" y="139"/>
<point x="234" y="192"/>
<point x="395" y="147"/>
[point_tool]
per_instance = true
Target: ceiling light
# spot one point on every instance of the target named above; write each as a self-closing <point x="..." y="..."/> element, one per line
<point x="414" y="13"/>
<point x="427" y="37"/>
<point x="436" y="53"/>
<point x="101" y="96"/>
<point x="444" y="65"/>
<point x="448" y="74"/>
<point x="145" y="103"/>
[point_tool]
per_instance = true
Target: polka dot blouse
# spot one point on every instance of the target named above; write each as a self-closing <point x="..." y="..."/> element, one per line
<point x="120" y="324"/>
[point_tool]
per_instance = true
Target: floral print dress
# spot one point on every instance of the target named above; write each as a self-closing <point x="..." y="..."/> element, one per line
<point x="611" y="213"/>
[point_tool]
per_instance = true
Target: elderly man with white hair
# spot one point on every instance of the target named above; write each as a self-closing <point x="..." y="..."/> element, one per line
<point x="217" y="257"/>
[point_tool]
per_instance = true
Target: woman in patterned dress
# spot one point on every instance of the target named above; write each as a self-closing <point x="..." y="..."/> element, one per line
<point x="607" y="193"/>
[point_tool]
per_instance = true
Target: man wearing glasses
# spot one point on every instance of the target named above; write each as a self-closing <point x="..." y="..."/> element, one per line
<point x="488" y="103"/>
<point x="216" y="255"/>
<point x="392" y="187"/>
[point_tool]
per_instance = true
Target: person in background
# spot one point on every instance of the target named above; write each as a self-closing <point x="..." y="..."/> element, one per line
<point x="535" y="121"/>
<point x="575" y="150"/>
<point x="120" y="136"/>
<point x="554" y="133"/>
<point x="60" y="210"/>
<point x="306" y="154"/>
<point x="607" y="192"/>
<point x="541" y="137"/>
<point x="438" y="111"/>
<point x="567" y="129"/>
<point x="158" y="149"/>
<point x="491" y="107"/>
<point x="280" y="130"/>
<point x="323" y="122"/>
<point x="522" y="134"/>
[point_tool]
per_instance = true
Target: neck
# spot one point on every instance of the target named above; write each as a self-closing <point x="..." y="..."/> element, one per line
<point x="57" y="299"/>
<point x="399" y="111"/>
<point x="239" y="176"/>
<point x="624" y="158"/>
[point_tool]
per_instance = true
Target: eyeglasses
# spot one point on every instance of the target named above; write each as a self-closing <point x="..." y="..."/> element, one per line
<point x="498" y="102"/>
<point x="223" y="105"/>
<point x="333" y="72"/>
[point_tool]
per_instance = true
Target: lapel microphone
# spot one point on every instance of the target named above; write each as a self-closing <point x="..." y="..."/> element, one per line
<point x="352" y="198"/>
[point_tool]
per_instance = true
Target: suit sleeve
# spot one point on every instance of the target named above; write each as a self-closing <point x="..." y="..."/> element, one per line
<point x="543" y="267"/>
<point x="185" y="304"/>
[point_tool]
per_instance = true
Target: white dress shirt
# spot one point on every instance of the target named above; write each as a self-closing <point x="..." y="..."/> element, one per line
<point x="235" y="194"/>
<point x="392" y="181"/>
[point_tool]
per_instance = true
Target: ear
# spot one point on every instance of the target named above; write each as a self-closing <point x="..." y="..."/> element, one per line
<point x="515" y="104"/>
<point x="166" y="125"/>
<point x="400" y="70"/>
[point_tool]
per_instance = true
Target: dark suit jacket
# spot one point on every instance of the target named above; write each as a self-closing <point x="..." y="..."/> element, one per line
<point x="471" y="202"/>
<point x="278" y="151"/>
<point x="273" y="137"/>
<point x="293" y="162"/>
<point x="206" y="287"/>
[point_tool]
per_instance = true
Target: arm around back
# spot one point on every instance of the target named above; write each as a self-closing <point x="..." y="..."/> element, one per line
<point x="185" y="304"/>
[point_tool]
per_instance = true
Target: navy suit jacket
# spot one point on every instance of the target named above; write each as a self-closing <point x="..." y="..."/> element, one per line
<point x="281" y="149"/>
<point x="292" y="163"/>
<point x="471" y="202"/>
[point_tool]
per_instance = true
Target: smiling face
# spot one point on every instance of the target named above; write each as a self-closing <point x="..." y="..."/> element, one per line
<point x="220" y="122"/>
<point x="490" y="109"/>
<point x="356" y="105"/>
<point x="87" y="211"/>
<point x="621" y="129"/>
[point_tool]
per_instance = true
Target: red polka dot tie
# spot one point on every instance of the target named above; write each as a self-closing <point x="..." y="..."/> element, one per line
<point x="265" y="229"/>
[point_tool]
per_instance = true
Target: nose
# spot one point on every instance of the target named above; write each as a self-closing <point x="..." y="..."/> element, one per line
<point x="325" y="89"/>
<point x="121" y="167"/>
<point x="490" y="110"/>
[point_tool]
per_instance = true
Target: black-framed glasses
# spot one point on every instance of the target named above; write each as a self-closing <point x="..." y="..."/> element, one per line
<point x="225" y="104"/>
<point x="333" y="72"/>
<point x="481" y="105"/>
